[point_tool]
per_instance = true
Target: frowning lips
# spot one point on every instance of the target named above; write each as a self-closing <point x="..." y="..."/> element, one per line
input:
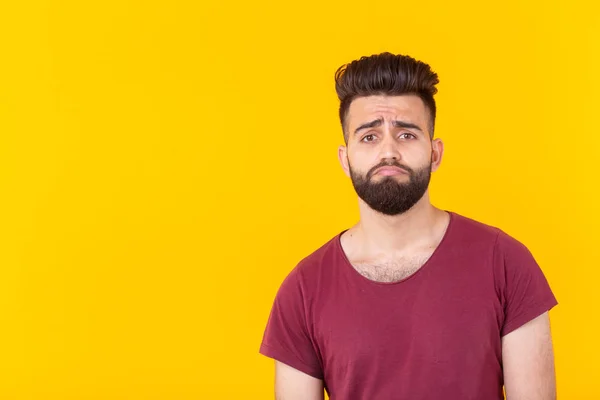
<point x="390" y="170"/>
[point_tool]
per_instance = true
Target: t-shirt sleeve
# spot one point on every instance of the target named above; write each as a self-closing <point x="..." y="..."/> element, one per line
<point x="286" y="337"/>
<point x="527" y="293"/>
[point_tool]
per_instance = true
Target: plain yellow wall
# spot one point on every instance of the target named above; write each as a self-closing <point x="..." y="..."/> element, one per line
<point x="163" y="165"/>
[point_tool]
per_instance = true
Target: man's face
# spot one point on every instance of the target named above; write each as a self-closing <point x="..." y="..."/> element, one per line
<point x="389" y="155"/>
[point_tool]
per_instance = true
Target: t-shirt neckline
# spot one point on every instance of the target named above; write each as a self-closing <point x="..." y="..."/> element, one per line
<point x="434" y="255"/>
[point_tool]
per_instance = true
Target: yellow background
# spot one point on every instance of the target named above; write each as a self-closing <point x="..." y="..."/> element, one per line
<point x="163" y="165"/>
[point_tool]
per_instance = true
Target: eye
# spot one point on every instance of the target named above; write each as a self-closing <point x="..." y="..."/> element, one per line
<point x="369" y="138"/>
<point x="409" y="134"/>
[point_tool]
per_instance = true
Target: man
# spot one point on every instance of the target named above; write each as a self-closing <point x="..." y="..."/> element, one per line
<point x="412" y="302"/>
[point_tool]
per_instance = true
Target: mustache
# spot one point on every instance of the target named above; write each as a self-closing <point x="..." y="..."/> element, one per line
<point x="389" y="164"/>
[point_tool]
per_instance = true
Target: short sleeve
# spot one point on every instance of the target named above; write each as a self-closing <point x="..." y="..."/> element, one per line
<point x="526" y="291"/>
<point x="286" y="337"/>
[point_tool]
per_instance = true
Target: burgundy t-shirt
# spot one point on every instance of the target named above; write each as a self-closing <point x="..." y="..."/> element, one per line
<point x="434" y="335"/>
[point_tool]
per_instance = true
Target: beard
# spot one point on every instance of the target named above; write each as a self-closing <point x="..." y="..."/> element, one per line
<point x="388" y="196"/>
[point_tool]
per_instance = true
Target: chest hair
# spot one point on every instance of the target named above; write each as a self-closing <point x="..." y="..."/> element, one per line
<point x="391" y="270"/>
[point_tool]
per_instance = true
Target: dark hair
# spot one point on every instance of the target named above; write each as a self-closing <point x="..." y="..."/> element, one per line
<point x="385" y="74"/>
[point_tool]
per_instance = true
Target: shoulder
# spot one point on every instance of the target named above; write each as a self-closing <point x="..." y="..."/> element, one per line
<point x="473" y="232"/>
<point x="477" y="232"/>
<point x="327" y="253"/>
<point x="310" y="271"/>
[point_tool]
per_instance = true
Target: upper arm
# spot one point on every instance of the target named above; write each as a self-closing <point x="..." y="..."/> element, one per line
<point x="528" y="361"/>
<point x="291" y="384"/>
<point x="288" y="340"/>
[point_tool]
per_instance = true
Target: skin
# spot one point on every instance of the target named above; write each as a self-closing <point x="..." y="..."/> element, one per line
<point x="291" y="384"/>
<point x="528" y="361"/>
<point x="402" y="243"/>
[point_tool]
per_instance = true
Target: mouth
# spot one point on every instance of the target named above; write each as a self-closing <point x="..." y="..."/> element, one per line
<point x="388" y="171"/>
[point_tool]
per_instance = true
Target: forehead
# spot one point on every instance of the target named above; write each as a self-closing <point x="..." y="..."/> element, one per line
<point x="406" y="107"/>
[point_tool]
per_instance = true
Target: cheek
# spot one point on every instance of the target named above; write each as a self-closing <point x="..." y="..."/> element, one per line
<point x="361" y="160"/>
<point x="418" y="155"/>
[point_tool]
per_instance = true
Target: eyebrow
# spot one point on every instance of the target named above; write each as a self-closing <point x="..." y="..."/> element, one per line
<point x="397" y="124"/>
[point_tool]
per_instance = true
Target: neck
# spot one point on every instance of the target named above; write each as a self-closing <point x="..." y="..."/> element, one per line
<point x="379" y="233"/>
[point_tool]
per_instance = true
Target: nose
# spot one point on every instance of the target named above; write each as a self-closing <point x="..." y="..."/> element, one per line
<point x="389" y="148"/>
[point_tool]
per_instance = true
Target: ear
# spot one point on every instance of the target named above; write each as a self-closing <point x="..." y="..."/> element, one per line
<point x="437" y="152"/>
<point x="343" y="157"/>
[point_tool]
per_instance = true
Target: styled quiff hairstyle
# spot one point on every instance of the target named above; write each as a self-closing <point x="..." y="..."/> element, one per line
<point x="385" y="74"/>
